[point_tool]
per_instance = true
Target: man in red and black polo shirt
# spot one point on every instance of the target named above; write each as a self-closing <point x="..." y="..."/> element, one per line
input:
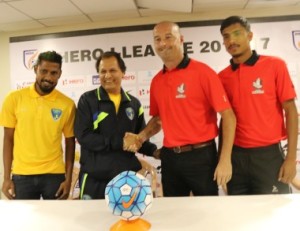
<point x="185" y="97"/>
<point x="262" y="95"/>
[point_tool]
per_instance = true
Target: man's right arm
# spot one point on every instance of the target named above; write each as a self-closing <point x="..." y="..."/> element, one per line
<point x="85" y="131"/>
<point x="8" y="144"/>
<point x="152" y="128"/>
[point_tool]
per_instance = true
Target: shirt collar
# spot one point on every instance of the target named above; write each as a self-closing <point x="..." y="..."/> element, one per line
<point x="183" y="64"/>
<point x="33" y="93"/>
<point x="250" y="62"/>
<point x="103" y="95"/>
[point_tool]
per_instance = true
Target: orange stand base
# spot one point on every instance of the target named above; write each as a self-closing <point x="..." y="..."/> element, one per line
<point x="134" y="225"/>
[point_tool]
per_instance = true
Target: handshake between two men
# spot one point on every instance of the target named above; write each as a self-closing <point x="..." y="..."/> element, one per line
<point x="133" y="142"/>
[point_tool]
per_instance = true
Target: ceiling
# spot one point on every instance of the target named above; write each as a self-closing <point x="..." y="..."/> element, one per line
<point x="18" y="15"/>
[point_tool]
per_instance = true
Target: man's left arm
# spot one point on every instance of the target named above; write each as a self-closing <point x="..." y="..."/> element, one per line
<point x="288" y="169"/>
<point x="223" y="170"/>
<point x="64" y="189"/>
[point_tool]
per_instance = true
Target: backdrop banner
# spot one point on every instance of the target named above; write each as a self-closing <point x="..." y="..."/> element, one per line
<point x="203" y="42"/>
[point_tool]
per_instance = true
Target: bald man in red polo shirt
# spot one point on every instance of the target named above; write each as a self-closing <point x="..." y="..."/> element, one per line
<point x="262" y="96"/>
<point x="185" y="97"/>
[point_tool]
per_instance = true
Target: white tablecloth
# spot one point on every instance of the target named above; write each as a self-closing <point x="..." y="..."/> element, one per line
<point x="223" y="213"/>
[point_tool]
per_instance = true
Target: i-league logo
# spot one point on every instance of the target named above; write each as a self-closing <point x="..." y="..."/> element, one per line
<point x="29" y="57"/>
<point x="296" y="39"/>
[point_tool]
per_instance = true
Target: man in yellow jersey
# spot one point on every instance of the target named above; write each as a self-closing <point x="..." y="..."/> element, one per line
<point x="34" y="119"/>
<point x="103" y="117"/>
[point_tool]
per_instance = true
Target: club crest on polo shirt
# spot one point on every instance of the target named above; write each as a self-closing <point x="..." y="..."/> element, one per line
<point x="258" y="86"/>
<point x="181" y="91"/>
<point x="130" y="113"/>
<point x="56" y="113"/>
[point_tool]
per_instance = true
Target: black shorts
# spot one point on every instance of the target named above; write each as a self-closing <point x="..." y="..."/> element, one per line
<point x="256" y="170"/>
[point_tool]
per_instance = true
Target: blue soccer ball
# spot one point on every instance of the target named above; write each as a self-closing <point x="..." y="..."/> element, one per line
<point x="129" y="195"/>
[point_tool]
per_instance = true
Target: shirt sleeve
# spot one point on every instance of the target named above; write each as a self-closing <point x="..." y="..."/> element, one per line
<point x="215" y="91"/>
<point x="153" y="103"/>
<point x="285" y="87"/>
<point x="8" y="116"/>
<point x="68" y="129"/>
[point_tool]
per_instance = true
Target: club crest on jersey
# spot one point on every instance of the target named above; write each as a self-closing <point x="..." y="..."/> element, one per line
<point x="258" y="87"/>
<point x="181" y="91"/>
<point x="296" y="39"/>
<point x="56" y="113"/>
<point x="130" y="113"/>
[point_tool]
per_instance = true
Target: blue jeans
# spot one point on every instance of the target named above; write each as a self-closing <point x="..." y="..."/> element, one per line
<point x="44" y="186"/>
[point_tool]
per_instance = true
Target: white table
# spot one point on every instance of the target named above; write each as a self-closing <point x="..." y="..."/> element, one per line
<point x="223" y="213"/>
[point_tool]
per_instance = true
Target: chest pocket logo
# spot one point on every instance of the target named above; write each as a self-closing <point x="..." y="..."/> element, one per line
<point x="130" y="113"/>
<point x="56" y="113"/>
<point x="181" y="91"/>
<point x="258" y="87"/>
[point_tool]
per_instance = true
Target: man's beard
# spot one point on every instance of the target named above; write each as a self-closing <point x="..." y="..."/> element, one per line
<point x="46" y="89"/>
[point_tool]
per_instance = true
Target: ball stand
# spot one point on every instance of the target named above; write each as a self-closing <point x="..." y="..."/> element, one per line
<point x="138" y="224"/>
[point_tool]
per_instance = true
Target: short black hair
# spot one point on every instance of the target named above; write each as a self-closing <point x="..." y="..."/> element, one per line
<point x="233" y="20"/>
<point x="109" y="54"/>
<point x="51" y="56"/>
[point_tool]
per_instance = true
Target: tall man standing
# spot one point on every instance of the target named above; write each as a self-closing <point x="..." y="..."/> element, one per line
<point x="262" y="95"/>
<point x="185" y="97"/>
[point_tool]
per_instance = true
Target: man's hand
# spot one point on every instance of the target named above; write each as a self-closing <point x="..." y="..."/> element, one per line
<point x="8" y="189"/>
<point x="287" y="171"/>
<point x="132" y="142"/>
<point x="63" y="191"/>
<point x="223" y="173"/>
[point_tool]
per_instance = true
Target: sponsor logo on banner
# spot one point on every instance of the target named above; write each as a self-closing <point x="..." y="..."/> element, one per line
<point x="145" y="77"/>
<point x="23" y="84"/>
<point x="95" y="80"/>
<point x="73" y="94"/>
<point x="296" y="39"/>
<point x="73" y="82"/>
<point x="146" y="107"/>
<point x="144" y="91"/>
<point x="29" y="57"/>
<point x="129" y="79"/>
